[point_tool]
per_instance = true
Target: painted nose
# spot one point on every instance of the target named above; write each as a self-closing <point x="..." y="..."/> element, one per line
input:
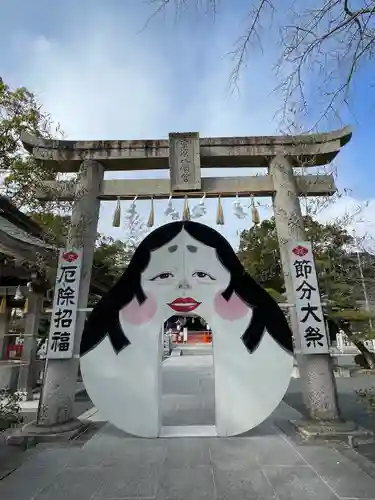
<point x="183" y="284"/>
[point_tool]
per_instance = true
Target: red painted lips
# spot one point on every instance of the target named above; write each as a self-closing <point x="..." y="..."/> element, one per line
<point x="184" y="304"/>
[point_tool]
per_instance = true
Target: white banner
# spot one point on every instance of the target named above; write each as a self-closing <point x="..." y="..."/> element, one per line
<point x="65" y="303"/>
<point x="311" y="323"/>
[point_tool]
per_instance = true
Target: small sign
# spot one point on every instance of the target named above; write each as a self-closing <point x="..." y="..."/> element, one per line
<point x="311" y="323"/>
<point x="184" y="161"/>
<point x="65" y="303"/>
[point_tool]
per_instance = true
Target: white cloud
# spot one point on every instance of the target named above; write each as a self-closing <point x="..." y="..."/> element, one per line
<point x="102" y="79"/>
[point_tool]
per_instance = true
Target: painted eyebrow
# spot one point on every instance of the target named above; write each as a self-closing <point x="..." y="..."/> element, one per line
<point x="173" y="248"/>
<point x="192" y="248"/>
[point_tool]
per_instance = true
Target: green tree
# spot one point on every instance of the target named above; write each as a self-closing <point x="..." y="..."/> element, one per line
<point x="56" y="226"/>
<point x="20" y="112"/>
<point x="260" y="255"/>
<point x="111" y="257"/>
<point x="339" y="278"/>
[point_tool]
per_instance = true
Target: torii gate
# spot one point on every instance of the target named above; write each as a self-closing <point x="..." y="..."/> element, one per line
<point x="184" y="154"/>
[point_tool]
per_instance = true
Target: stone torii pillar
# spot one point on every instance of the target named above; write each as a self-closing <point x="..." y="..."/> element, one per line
<point x="57" y="401"/>
<point x="316" y="370"/>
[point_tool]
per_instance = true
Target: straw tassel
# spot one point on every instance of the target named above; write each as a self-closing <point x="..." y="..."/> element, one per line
<point x="219" y="213"/>
<point x="117" y="214"/>
<point x="254" y="212"/>
<point x="26" y="306"/>
<point x="3" y="305"/>
<point x="18" y="295"/>
<point x="186" y="212"/>
<point x="151" y="217"/>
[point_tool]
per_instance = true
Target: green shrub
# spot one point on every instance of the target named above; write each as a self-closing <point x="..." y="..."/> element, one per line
<point x="10" y="409"/>
<point x="367" y="397"/>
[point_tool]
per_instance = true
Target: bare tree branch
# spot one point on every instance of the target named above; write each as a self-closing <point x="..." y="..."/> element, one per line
<point x="321" y="49"/>
<point x="241" y="52"/>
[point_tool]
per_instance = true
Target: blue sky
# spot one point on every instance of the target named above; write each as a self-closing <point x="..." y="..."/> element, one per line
<point x="102" y="76"/>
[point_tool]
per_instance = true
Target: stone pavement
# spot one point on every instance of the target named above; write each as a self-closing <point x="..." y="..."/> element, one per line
<point x="263" y="465"/>
<point x="188" y="391"/>
<point x="11" y="457"/>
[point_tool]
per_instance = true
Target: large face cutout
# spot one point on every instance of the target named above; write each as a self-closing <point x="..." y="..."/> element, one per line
<point x="185" y="276"/>
<point x="186" y="267"/>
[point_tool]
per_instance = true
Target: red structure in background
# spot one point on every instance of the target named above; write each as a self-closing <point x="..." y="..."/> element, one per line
<point x="196" y="334"/>
<point x="14" y="351"/>
<point x="202" y="337"/>
<point x="194" y="337"/>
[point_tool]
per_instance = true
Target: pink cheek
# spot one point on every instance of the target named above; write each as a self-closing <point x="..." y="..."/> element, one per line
<point x="136" y="314"/>
<point x="232" y="309"/>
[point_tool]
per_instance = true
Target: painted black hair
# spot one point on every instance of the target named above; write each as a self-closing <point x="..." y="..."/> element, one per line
<point x="267" y="315"/>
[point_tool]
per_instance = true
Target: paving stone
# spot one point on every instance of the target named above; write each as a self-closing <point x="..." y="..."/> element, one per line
<point x="367" y="450"/>
<point x="261" y="465"/>
<point x="141" y="447"/>
<point x="193" y="416"/>
<point x="112" y="440"/>
<point x="226" y="452"/>
<point x="127" y="451"/>
<point x="80" y="484"/>
<point x="187" y="484"/>
<point x="187" y="452"/>
<point x="12" y="457"/>
<point x="340" y="473"/>
<point x="108" y="436"/>
<point x="184" y="382"/>
<point x="241" y="483"/>
<point x="94" y="459"/>
<point x="134" y="481"/>
<point x="27" y="481"/>
<point x="186" y="401"/>
<point x="56" y="457"/>
<point x="275" y="450"/>
<point x="270" y="449"/>
<point x="266" y="428"/>
<point x="188" y="392"/>
<point x="301" y="483"/>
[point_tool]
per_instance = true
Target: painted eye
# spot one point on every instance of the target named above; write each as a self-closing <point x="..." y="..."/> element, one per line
<point x="202" y="275"/>
<point x="162" y="276"/>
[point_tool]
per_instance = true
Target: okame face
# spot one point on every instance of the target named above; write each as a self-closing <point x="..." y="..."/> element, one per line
<point x="184" y="276"/>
